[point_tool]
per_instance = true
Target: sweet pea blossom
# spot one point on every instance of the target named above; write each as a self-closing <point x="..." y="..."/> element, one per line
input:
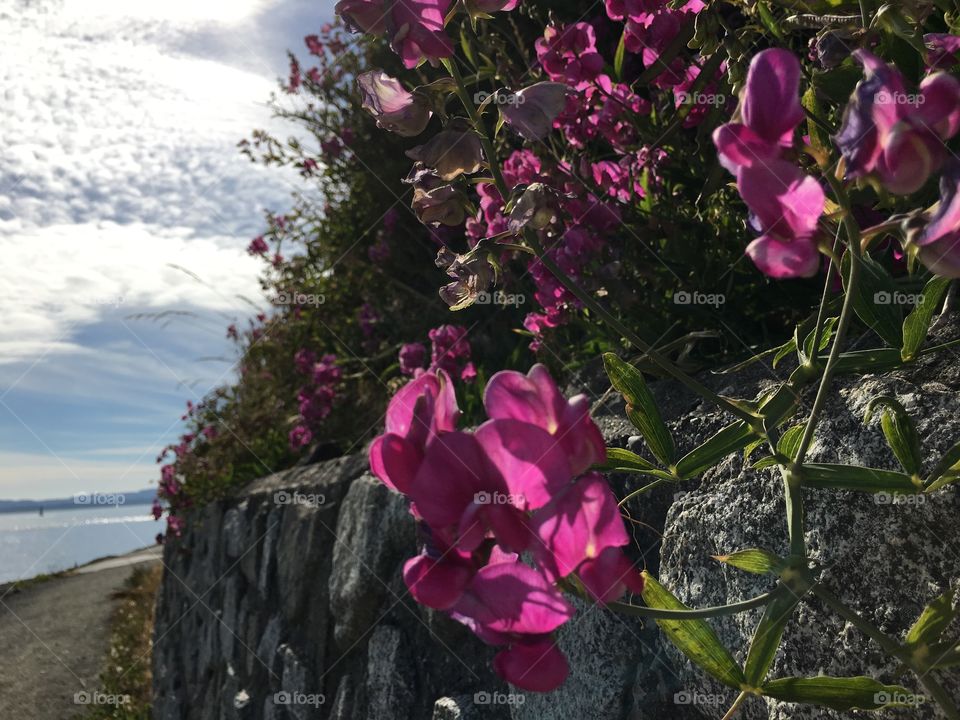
<point x="939" y="242"/>
<point x="394" y="108"/>
<point x="896" y="135"/>
<point x="412" y="358"/>
<point x="535" y="399"/>
<point x="516" y="484"/>
<point x="785" y="202"/>
<point x="569" y="54"/>
<point x="414" y="27"/>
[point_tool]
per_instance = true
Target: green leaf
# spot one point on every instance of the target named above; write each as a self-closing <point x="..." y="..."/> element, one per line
<point x="694" y="638"/>
<point x="934" y="619"/>
<point x="766" y="638"/>
<point x="732" y="438"/>
<point x="754" y="560"/>
<point x="854" y="477"/>
<point x="789" y="443"/>
<point x="620" y="460"/>
<point x="869" y="361"/>
<point x="785" y="351"/>
<point x="899" y="431"/>
<point x="641" y="407"/>
<point x="825" y="336"/>
<point x="944" y="655"/>
<point x="875" y="300"/>
<point x="619" y="56"/>
<point x="917" y="323"/>
<point x="767" y="461"/>
<point x="946" y="470"/>
<point x="839" y="693"/>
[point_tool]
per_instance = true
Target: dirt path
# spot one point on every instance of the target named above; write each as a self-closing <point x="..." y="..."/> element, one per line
<point x="54" y="638"/>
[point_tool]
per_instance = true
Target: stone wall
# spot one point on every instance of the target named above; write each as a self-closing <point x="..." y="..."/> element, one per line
<point x="286" y="600"/>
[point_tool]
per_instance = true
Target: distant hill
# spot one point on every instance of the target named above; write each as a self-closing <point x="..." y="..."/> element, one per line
<point x="94" y="500"/>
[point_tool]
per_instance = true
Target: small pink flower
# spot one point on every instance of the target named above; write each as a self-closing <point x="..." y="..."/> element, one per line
<point x="569" y="54"/>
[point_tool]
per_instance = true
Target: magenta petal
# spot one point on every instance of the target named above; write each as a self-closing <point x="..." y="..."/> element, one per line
<point x="513" y="598"/>
<point x="946" y="221"/>
<point x="608" y="576"/>
<point x="909" y="158"/>
<point x="579" y="525"/>
<point x="531" y="461"/>
<point x="787" y="202"/>
<point x="784" y="259"/>
<point x="940" y="107"/>
<point x="942" y="257"/>
<point x="395" y="461"/>
<point x="453" y="472"/>
<point x="739" y="145"/>
<point x="537" y="666"/>
<point x="436" y="583"/>
<point x="509" y="527"/>
<point x="771" y="100"/>
<point x="424" y="405"/>
<point x="580" y="436"/>
<point x="532" y="398"/>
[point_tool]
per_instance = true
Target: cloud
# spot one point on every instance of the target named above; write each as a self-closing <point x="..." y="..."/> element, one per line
<point x="28" y="475"/>
<point x="119" y="160"/>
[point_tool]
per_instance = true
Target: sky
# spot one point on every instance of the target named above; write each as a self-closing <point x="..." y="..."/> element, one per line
<point x="118" y="165"/>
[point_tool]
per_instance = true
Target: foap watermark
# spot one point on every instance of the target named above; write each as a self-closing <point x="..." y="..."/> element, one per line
<point x="683" y="297"/>
<point x="498" y="297"/>
<point x="108" y="499"/>
<point x="498" y="698"/>
<point x="285" y="297"/>
<point x="95" y="697"/>
<point x="701" y="98"/>
<point x="900" y="98"/>
<point x="299" y="698"/>
<point x="897" y="298"/>
<point x="694" y="697"/>
<point x="498" y="498"/>
<point x="898" y="698"/>
<point x="112" y="300"/>
<point x="914" y="500"/>
<point x="498" y="98"/>
<point x="311" y="500"/>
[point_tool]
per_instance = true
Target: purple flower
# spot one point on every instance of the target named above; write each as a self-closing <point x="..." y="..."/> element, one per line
<point x="300" y="437"/>
<point x="939" y="242"/>
<point x="413" y="357"/>
<point x="896" y="135"/>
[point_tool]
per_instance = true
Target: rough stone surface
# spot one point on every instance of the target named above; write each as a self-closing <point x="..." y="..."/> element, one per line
<point x="293" y="586"/>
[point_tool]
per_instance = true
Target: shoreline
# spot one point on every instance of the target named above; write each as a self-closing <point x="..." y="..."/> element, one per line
<point x="108" y="561"/>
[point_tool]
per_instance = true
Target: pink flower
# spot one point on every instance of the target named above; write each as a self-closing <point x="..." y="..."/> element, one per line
<point x="258" y="246"/>
<point x="786" y="203"/>
<point x="304" y="360"/>
<point x="156" y="510"/>
<point x="939" y="242"/>
<point x="412" y="358"/>
<point x="534" y="398"/>
<point x="943" y="50"/>
<point x="422" y="409"/>
<point x="894" y="134"/>
<point x="469" y="373"/>
<point x="416" y="29"/>
<point x="569" y="54"/>
<point x="368" y="16"/>
<point x="300" y="437"/>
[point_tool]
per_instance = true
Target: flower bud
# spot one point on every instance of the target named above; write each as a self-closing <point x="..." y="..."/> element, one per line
<point x="394" y="108"/>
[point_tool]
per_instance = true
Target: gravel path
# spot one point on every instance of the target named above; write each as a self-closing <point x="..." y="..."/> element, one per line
<point x="54" y="638"/>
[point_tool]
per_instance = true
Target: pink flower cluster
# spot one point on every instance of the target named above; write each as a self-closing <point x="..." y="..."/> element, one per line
<point x="785" y="202"/>
<point x="450" y="352"/>
<point x="520" y="484"/>
<point x="317" y="397"/>
<point x="414" y="28"/>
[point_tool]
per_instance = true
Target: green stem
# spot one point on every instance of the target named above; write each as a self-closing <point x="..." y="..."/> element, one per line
<point x="741" y="698"/>
<point x="703" y="613"/>
<point x="891" y="646"/>
<point x="846" y="316"/>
